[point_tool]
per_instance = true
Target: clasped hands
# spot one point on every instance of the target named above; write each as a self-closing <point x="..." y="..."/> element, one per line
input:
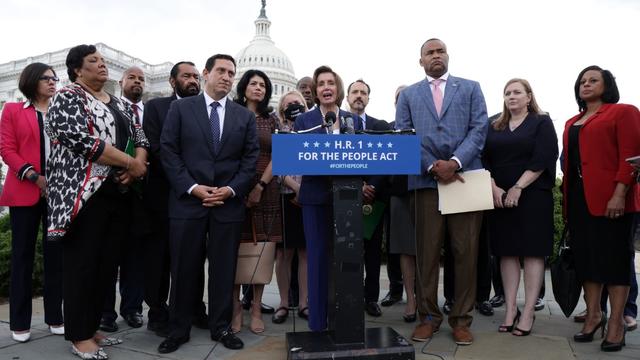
<point x="137" y="170"/>
<point x="444" y="171"/>
<point x="211" y="196"/>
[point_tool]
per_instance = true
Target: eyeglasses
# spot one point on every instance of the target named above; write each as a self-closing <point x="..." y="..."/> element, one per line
<point x="48" y="78"/>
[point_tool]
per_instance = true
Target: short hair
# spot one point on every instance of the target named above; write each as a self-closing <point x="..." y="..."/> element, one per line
<point x="281" y="103"/>
<point x="30" y="77"/>
<point x="241" y="88"/>
<point x="302" y="79"/>
<point x="174" y="70"/>
<point x="339" y="84"/>
<point x="212" y="60"/>
<point x="432" y="39"/>
<point x="503" y="119"/>
<point x="75" y="58"/>
<point x="610" y="94"/>
<point x="362" y="82"/>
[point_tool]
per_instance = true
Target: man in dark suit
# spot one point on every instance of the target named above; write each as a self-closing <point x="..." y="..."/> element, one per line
<point x="450" y="118"/>
<point x="185" y="81"/>
<point x="209" y="150"/>
<point x="131" y="247"/>
<point x="372" y="192"/>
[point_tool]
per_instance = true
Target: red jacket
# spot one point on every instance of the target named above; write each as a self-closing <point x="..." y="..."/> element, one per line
<point x="19" y="147"/>
<point x="606" y="139"/>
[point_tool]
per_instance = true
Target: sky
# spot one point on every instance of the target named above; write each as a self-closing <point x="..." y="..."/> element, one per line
<point x="546" y="42"/>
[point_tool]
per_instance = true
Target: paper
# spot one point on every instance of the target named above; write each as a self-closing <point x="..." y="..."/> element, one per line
<point x="472" y="195"/>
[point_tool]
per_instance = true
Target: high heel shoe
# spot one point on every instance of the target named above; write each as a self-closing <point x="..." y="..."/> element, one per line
<point x="509" y="328"/>
<point x="588" y="337"/>
<point x="609" y="346"/>
<point x="236" y="320"/>
<point x="524" y="332"/>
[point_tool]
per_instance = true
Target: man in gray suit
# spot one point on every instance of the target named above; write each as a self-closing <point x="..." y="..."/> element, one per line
<point x="450" y="117"/>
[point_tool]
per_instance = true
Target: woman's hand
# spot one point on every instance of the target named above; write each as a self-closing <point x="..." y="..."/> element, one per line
<point x="615" y="207"/>
<point x="137" y="168"/>
<point x="254" y="196"/>
<point x="513" y="195"/>
<point x="497" y="196"/>
<point x="42" y="185"/>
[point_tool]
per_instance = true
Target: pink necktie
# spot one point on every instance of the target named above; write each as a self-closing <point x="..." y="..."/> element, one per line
<point x="437" y="95"/>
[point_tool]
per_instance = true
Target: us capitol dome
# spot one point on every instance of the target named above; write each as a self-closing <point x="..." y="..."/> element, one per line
<point x="262" y="54"/>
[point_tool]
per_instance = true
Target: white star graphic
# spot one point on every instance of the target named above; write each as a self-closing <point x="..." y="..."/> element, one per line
<point x="306" y="144"/>
<point x="370" y="144"/>
<point x="327" y="144"/>
<point x="389" y="144"/>
<point x="316" y="144"/>
<point x="379" y="144"/>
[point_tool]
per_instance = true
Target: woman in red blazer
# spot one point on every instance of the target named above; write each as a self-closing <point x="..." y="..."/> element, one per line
<point x="599" y="198"/>
<point x="23" y="146"/>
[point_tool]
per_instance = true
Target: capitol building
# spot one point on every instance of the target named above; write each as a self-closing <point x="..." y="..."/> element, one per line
<point x="261" y="54"/>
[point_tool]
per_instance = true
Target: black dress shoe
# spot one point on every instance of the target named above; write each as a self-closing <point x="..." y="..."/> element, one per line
<point x="264" y="308"/>
<point x="373" y="309"/>
<point x="229" y="340"/>
<point x="108" y="326"/>
<point x="485" y="308"/>
<point x="134" y="320"/>
<point x="497" y="301"/>
<point x="539" y="304"/>
<point x="446" y="308"/>
<point x="390" y="299"/>
<point x="160" y="328"/>
<point x="171" y="344"/>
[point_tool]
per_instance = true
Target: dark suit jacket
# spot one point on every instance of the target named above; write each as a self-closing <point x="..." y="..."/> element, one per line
<point x="607" y="138"/>
<point x="188" y="157"/>
<point x="316" y="190"/>
<point x="380" y="182"/>
<point x="156" y="191"/>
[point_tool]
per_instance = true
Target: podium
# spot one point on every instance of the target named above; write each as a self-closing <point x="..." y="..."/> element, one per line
<point x="346" y="158"/>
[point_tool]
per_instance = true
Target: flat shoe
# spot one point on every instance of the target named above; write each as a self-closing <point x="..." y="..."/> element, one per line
<point x="57" y="330"/>
<point x="279" y="319"/>
<point x="108" y="341"/>
<point x="99" y="354"/>
<point x="22" y="338"/>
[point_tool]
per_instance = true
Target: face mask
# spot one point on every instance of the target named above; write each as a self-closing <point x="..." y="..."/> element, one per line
<point x="292" y="111"/>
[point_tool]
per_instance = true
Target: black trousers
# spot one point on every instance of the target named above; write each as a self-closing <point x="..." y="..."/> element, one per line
<point x="131" y="265"/>
<point x="90" y="259"/>
<point x="372" y="258"/>
<point x="25" y="222"/>
<point x="394" y="271"/>
<point x="156" y="266"/>
<point x="483" y="275"/>
<point x="189" y="240"/>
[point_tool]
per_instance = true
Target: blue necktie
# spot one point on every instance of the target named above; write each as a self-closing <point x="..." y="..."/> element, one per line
<point x="214" y="119"/>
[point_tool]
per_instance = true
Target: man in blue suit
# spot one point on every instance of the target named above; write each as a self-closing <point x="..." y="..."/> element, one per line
<point x="209" y="150"/>
<point x="450" y="117"/>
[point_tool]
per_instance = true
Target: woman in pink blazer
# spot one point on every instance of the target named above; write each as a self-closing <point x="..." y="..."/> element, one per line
<point x="23" y="145"/>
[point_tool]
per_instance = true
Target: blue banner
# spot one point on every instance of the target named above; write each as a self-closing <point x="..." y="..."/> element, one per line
<point x="319" y="154"/>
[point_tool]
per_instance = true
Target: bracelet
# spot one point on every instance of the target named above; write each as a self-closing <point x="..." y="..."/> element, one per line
<point x="33" y="177"/>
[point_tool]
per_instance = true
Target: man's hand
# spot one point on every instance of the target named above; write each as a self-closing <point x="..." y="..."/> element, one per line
<point x="368" y="193"/>
<point x="221" y="194"/>
<point x="206" y="194"/>
<point x="444" y="171"/>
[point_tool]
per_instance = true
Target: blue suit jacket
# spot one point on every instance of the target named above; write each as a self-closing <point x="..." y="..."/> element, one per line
<point x="460" y="131"/>
<point x="316" y="190"/>
<point x="188" y="157"/>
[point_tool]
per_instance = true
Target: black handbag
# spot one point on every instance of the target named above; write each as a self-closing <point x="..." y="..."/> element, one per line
<point x="564" y="277"/>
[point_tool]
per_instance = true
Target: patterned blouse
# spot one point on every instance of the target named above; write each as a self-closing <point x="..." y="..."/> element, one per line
<point x="79" y="126"/>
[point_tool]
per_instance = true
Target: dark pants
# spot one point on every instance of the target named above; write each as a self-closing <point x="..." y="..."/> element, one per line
<point x="316" y="220"/>
<point x="156" y="268"/>
<point x="372" y="258"/>
<point x="25" y="222"/>
<point x="131" y="266"/>
<point x="90" y="259"/>
<point x="190" y="239"/>
<point x="483" y="274"/>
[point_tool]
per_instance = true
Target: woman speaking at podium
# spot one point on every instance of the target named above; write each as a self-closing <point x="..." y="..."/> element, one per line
<point x="315" y="191"/>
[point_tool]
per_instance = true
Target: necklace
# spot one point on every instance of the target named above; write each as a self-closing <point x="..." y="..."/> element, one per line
<point x="514" y="124"/>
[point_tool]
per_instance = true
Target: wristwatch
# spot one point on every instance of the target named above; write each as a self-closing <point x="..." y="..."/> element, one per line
<point x="33" y="177"/>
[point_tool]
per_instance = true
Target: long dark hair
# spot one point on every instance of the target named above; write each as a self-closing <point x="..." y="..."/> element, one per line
<point x="263" y="108"/>
<point x="610" y="94"/>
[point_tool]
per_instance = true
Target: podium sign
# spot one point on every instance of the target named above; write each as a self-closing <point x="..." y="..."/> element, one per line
<point x="323" y="154"/>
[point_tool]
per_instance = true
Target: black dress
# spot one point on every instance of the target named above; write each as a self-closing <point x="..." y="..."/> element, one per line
<point x="525" y="230"/>
<point x="601" y="246"/>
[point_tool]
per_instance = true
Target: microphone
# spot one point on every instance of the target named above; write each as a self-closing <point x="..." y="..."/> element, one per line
<point x="329" y="119"/>
<point x="348" y="126"/>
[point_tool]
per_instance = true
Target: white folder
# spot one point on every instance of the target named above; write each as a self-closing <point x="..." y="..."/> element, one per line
<point x="473" y="195"/>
